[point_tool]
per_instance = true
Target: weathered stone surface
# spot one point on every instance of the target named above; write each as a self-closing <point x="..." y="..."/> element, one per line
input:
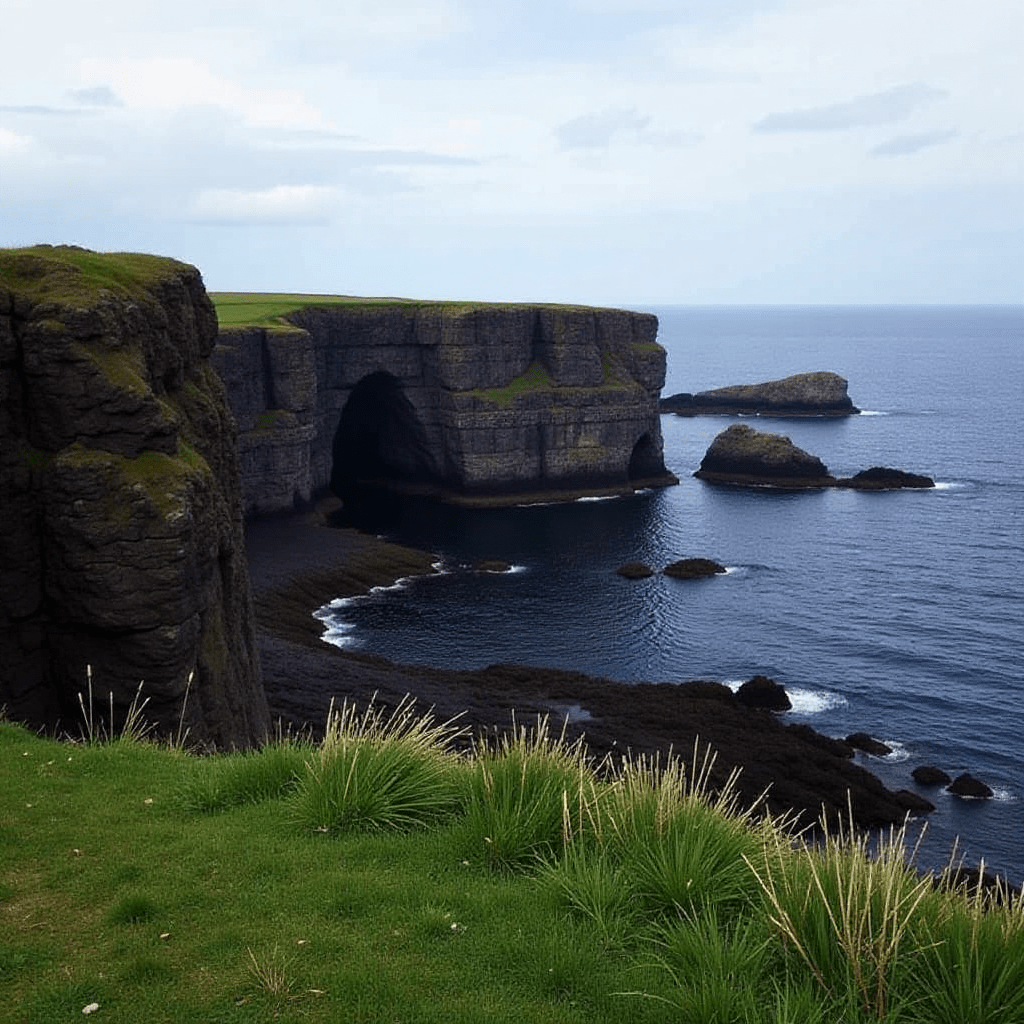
<point x="762" y="692"/>
<point x="967" y="785"/>
<point x="881" y="478"/>
<point x="744" y="455"/>
<point x="121" y="541"/>
<point x="927" y="775"/>
<point x="484" y="403"/>
<point x="803" y="394"/>
<point x="862" y="741"/>
<point x="693" y="568"/>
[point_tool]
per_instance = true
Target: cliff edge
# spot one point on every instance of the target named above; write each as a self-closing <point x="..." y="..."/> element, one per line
<point x="121" y="543"/>
<point x="470" y="402"/>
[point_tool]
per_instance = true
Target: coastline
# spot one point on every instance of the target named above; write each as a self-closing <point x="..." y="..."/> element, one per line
<point x="298" y="563"/>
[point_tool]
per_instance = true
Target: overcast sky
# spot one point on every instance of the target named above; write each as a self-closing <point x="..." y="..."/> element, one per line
<point x="604" y="151"/>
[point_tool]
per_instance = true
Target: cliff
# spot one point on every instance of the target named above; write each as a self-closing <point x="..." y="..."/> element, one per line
<point x="121" y="544"/>
<point x="469" y="402"/>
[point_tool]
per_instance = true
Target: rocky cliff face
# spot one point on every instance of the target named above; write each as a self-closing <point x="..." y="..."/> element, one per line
<point x="121" y="542"/>
<point x="470" y="402"/>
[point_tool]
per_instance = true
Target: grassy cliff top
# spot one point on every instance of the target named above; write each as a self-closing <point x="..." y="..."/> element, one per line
<point x="74" y="276"/>
<point x="267" y="309"/>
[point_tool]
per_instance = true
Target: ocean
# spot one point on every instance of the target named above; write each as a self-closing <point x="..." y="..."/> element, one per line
<point x="900" y="614"/>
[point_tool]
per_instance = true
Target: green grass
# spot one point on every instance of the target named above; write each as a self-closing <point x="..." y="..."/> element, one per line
<point x="164" y="886"/>
<point x="269" y="309"/>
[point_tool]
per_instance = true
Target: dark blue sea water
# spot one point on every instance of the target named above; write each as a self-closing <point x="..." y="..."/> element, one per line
<point x="900" y="614"/>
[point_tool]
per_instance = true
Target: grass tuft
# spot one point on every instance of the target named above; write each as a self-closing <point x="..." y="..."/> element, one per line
<point x="379" y="770"/>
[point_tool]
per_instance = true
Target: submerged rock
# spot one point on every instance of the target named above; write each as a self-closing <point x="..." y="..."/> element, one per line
<point x="693" y="569"/>
<point x="862" y="741"/>
<point x="743" y="455"/>
<point x="803" y="394"/>
<point x="492" y="565"/>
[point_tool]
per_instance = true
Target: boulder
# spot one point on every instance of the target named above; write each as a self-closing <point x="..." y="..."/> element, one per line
<point x="635" y="570"/>
<point x="927" y="775"/>
<point x="743" y="455"/>
<point x="693" y="569"/>
<point x="862" y="741"/>
<point x="762" y="692"/>
<point x="803" y="394"/>
<point x="968" y="785"/>
<point x="121" y="539"/>
<point x="491" y="565"/>
<point x="914" y="802"/>
<point x="882" y="478"/>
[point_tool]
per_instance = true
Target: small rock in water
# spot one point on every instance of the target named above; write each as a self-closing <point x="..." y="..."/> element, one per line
<point x="762" y="692"/>
<point x="928" y="775"/>
<point x="492" y="565"/>
<point x="693" y="568"/>
<point x="635" y="571"/>
<point x="862" y="741"/>
<point x="967" y="785"/>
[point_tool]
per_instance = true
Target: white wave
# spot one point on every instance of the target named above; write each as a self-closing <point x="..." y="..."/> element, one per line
<point x="813" y="702"/>
<point x="949" y="485"/>
<point x="730" y="569"/>
<point x="519" y="568"/>
<point x="873" y="412"/>
<point x="598" y="497"/>
<point x="1003" y="795"/>
<point x="899" y="752"/>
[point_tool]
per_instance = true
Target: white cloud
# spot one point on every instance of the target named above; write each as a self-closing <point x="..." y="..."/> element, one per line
<point x="12" y="143"/>
<point x="902" y="145"/>
<point x="280" y="205"/>
<point x="895" y="104"/>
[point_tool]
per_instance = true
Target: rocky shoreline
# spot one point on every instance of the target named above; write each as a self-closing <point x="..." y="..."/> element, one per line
<point x="299" y="563"/>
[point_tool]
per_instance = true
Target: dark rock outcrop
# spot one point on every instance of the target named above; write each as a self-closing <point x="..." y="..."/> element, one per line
<point x="928" y="775"/>
<point x="882" y="478"/>
<point x="967" y="785"/>
<point x="693" y="569"/>
<point x="472" y="403"/>
<point x="491" y="565"/>
<point x="762" y="692"/>
<point x="803" y="394"/>
<point x="862" y="741"/>
<point x="743" y="455"/>
<point x="635" y="570"/>
<point x="747" y="457"/>
<point x="121" y="544"/>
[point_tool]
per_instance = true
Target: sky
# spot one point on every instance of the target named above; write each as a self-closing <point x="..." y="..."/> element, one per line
<point x="616" y="152"/>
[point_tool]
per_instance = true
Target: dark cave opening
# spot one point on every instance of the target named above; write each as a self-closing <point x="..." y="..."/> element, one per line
<point x="380" y="440"/>
<point x="646" y="461"/>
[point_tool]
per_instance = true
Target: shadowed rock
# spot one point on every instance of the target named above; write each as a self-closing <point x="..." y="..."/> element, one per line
<point x="121" y="542"/>
<point x="743" y="455"/>
<point x="928" y="775"/>
<point x="635" y="570"/>
<point x="491" y="565"/>
<point x="762" y="692"/>
<point x="693" y="569"/>
<point x="803" y="394"/>
<point x="862" y="741"/>
<point x="882" y="478"/>
<point x="967" y="785"/>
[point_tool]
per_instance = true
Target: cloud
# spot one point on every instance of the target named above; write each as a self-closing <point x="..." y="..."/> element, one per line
<point x="902" y="145"/>
<point x="96" y="96"/>
<point x="281" y="205"/>
<point x="893" y="104"/>
<point x="40" y="110"/>
<point x="600" y="130"/>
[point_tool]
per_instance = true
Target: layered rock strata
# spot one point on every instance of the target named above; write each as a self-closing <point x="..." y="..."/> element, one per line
<point x="121" y="544"/>
<point x="803" y="394"/>
<point x="473" y="403"/>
